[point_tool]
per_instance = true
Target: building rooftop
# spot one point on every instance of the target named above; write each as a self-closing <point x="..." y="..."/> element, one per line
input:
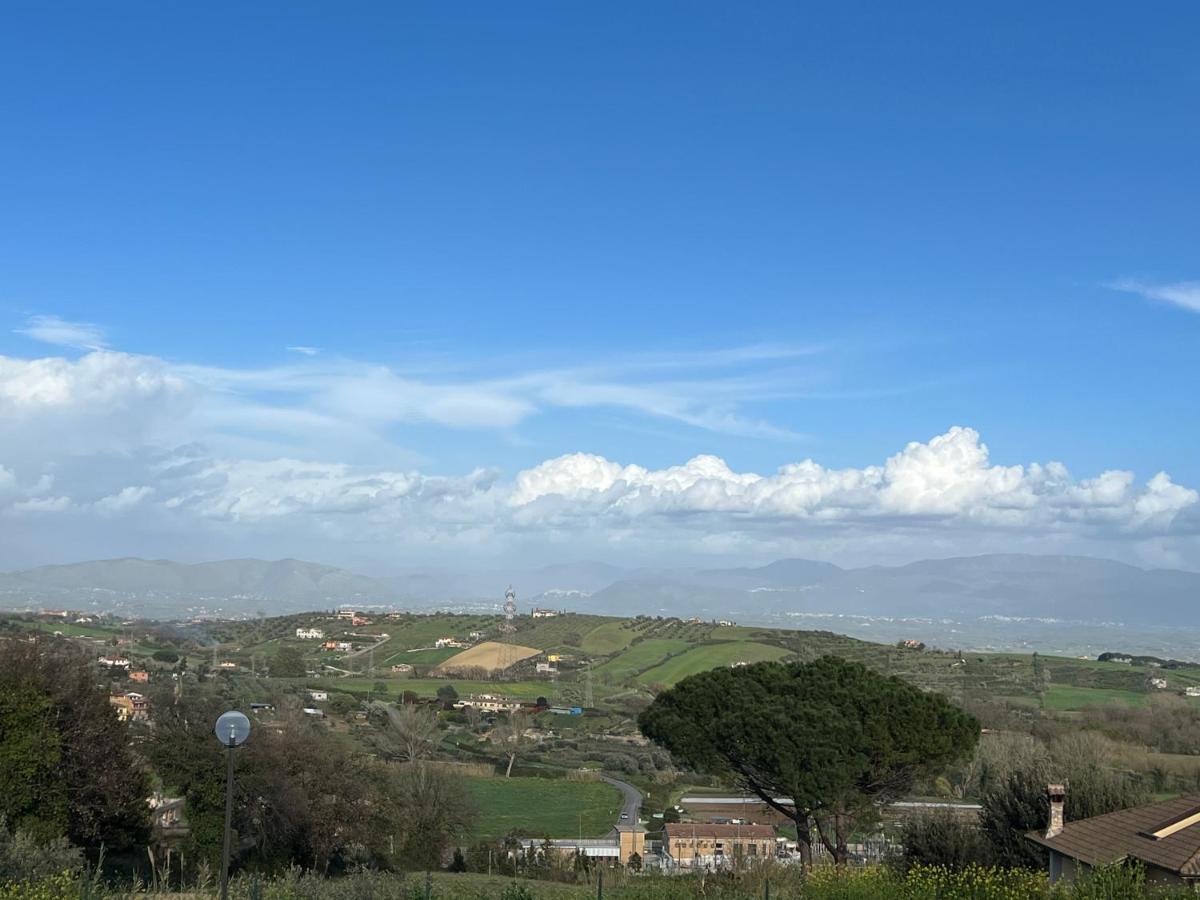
<point x="1165" y="835"/>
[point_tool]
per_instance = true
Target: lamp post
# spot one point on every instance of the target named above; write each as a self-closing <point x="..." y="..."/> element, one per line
<point x="231" y="730"/>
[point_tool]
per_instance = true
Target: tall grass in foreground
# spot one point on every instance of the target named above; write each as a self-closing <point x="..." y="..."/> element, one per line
<point x="878" y="883"/>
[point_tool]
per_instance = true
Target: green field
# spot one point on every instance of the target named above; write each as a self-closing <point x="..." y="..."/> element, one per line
<point x="709" y="656"/>
<point x="419" y="657"/>
<point x="1065" y="697"/>
<point x="543" y="807"/>
<point x="640" y="656"/>
<point x="610" y="637"/>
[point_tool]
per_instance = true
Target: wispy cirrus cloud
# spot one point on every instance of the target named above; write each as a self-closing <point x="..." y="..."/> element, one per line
<point x="1184" y="294"/>
<point x="63" y="333"/>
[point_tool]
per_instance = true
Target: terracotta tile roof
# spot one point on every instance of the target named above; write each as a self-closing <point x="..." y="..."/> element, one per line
<point x="1129" y="834"/>
<point x="685" y="831"/>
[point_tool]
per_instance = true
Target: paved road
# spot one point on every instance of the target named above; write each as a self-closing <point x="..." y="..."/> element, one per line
<point x="633" y="800"/>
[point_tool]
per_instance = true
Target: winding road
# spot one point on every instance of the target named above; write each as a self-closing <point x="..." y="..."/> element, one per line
<point x="632" y="803"/>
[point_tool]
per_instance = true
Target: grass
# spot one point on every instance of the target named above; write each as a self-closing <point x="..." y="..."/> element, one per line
<point x="709" y="656"/>
<point x="419" y="657"/>
<point x="611" y="637"/>
<point x="640" y="656"/>
<point x="1063" y="697"/>
<point x="543" y="807"/>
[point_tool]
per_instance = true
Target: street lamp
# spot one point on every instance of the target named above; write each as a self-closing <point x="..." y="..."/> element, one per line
<point x="232" y="729"/>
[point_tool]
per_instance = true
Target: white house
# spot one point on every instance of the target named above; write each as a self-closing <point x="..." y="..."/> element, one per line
<point x="1158" y="683"/>
<point x="1191" y="691"/>
<point x="448" y="642"/>
<point x="545" y="613"/>
<point x="545" y="668"/>
<point x="318" y="696"/>
<point x="310" y="634"/>
<point x="490" y="703"/>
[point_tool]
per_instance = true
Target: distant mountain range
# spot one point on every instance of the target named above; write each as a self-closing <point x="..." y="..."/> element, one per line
<point x="1071" y="588"/>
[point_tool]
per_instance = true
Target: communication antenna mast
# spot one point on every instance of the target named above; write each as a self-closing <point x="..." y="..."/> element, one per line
<point x="510" y="604"/>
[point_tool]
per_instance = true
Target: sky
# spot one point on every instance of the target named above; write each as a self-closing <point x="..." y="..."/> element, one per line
<point x="388" y="285"/>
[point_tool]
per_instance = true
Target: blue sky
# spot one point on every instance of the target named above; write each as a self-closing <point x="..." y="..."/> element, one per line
<point x="639" y="232"/>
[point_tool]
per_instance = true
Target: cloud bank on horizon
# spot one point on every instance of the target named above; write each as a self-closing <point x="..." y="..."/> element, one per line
<point x="111" y="453"/>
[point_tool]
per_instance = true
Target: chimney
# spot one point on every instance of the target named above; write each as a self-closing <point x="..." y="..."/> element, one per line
<point x="1058" y="796"/>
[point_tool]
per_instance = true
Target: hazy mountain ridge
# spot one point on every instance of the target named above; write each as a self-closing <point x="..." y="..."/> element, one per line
<point x="1009" y="585"/>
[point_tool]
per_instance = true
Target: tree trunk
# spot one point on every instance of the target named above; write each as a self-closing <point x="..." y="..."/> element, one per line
<point x="832" y="843"/>
<point x="803" y="841"/>
<point x="512" y="758"/>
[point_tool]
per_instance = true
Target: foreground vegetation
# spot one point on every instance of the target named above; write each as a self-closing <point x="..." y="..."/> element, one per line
<point x="918" y="883"/>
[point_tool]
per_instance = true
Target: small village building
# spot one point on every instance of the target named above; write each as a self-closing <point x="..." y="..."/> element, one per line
<point x="359" y="620"/>
<point x="314" y="712"/>
<point x="140" y="676"/>
<point x="1164" y="837"/>
<point x="401" y="668"/>
<point x="545" y="668"/>
<point x="347" y="614"/>
<point x="1192" y="691"/>
<point x="227" y="665"/>
<point x="168" y="820"/>
<point x="448" y="642"/>
<point x="688" y="845"/>
<point x="545" y="613"/>
<point x="310" y="634"/>
<point x="318" y="696"/>
<point x="1159" y="684"/>
<point x="619" y="847"/>
<point x="115" y="662"/>
<point x="130" y="707"/>
<point x="489" y="703"/>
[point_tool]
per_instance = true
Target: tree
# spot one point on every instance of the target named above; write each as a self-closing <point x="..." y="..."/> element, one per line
<point x="835" y="738"/>
<point x="50" y="704"/>
<point x="437" y="811"/>
<point x="509" y="733"/>
<point x="447" y="694"/>
<point x="165" y="656"/>
<point x="288" y="663"/>
<point x="412" y="730"/>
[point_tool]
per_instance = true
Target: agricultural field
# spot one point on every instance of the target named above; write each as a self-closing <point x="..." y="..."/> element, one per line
<point x="490" y="655"/>
<point x="611" y="637"/>
<point x="641" y="656"/>
<point x="543" y="807"/>
<point x="709" y="656"/>
<point x="419" y="657"/>
<point x="1066" y="697"/>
